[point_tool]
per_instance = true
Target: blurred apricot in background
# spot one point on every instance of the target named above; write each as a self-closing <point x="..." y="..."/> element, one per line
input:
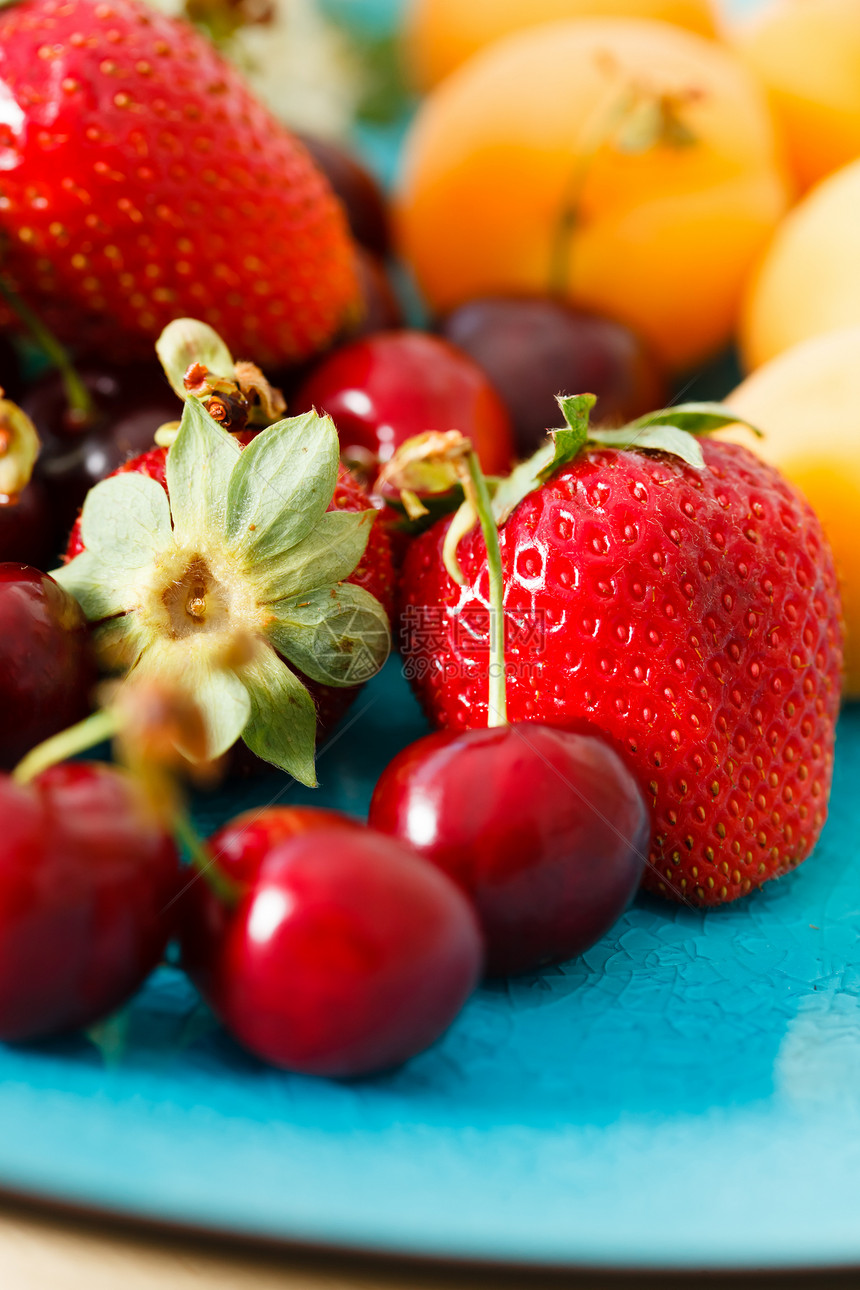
<point x="807" y="54"/>
<point x="807" y="401"/>
<point x="439" y="35"/>
<point x="809" y="280"/>
<point x="629" y="167"/>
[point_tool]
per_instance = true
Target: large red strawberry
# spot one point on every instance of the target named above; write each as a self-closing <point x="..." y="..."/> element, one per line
<point x="142" y="181"/>
<point x="248" y="569"/>
<point x="690" y="613"/>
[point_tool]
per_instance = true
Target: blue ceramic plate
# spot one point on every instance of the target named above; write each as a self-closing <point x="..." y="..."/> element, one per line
<point x="686" y="1094"/>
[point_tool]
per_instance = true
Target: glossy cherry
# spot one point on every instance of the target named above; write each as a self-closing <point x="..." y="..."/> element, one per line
<point x="47" y="667"/>
<point x="546" y="830"/>
<point x="238" y="851"/>
<point x="534" y="349"/>
<point x="389" y="387"/>
<point x="87" y="881"/>
<point x="347" y="956"/>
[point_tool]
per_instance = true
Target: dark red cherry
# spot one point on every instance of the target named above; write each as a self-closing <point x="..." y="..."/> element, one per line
<point x="547" y="832"/>
<point x="87" y="883"/>
<point x="386" y="388"/>
<point x="347" y="956"/>
<point x="362" y="198"/>
<point x="238" y="850"/>
<point x="534" y="349"/>
<point x="47" y="668"/>
<point x="131" y="403"/>
<point x="122" y="396"/>
<point x="27" y="530"/>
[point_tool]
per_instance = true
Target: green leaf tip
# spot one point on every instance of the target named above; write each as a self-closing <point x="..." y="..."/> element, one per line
<point x="569" y="441"/>
<point x="187" y="341"/>
<point x="670" y="430"/>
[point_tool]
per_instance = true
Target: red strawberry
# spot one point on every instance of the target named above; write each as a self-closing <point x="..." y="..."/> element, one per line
<point x="692" y="616"/>
<point x="374" y="572"/>
<point x="142" y="181"/>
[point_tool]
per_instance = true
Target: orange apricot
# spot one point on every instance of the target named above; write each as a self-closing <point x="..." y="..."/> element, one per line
<point x="628" y="167"/>
<point x="439" y="35"/>
<point x="807" y="54"/>
<point x="807" y="401"/>
<point x="809" y="280"/>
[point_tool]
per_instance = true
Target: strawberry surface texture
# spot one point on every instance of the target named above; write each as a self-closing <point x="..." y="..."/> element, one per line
<point x="142" y="181"/>
<point x="692" y="616"/>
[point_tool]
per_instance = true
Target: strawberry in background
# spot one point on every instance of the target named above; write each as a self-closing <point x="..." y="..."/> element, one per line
<point x="142" y="181"/>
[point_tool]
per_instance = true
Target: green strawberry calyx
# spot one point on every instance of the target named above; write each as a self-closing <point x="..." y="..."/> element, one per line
<point x="234" y="580"/>
<point x="671" y="430"/>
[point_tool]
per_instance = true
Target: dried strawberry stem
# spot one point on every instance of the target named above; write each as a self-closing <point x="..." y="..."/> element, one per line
<point x="77" y="395"/>
<point x="497" y="703"/>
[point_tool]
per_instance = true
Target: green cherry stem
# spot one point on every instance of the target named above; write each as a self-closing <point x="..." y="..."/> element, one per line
<point x="202" y="860"/>
<point x="497" y="703"/>
<point x="77" y="394"/>
<point x="95" y="729"/>
<point x="79" y="738"/>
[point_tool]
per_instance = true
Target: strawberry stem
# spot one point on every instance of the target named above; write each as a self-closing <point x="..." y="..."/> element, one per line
<point x="77" y="395"/>
<point x="497" y="703"/>
<point x="79" y="738"/>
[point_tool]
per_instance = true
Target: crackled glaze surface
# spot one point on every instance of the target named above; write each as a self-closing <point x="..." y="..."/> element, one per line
<point x="698" y="1062"/>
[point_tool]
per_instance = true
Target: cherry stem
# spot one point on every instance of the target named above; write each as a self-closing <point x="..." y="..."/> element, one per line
<point x="202" y="860"/>
<point x="79" y="738"/>
<point x="96" y="729"/>
<point x="497" y="702"/>
<point x="77" y="395"/>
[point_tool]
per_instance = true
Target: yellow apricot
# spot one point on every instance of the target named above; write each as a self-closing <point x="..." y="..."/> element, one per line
<point x="629" y="167"/>
<point x="809" y="280"/>
<point x="807" y="401"/>
<point x="439" y="35"/>
<point x="807" y="54"/>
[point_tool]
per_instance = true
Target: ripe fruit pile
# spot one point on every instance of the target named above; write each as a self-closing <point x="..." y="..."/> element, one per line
<point x="628" y="634"/>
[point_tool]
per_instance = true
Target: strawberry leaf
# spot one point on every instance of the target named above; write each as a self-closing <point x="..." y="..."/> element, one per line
<point x="119" y="642"/>
<point x="327" y="555"/>
<point x="223" y="700"/>
<point x="653" y="438"/>
<point x="281" y="486"/>
<point x="100" y="590"/>
<point x="126" y="521"/>
<point x="569" y="442"/>
<point x="335" y="635"/>
<point x="282" y="728"/>
<point x="186" y="341"/>
<point x="199" y="465"/>
<point x="695" y="418"/>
